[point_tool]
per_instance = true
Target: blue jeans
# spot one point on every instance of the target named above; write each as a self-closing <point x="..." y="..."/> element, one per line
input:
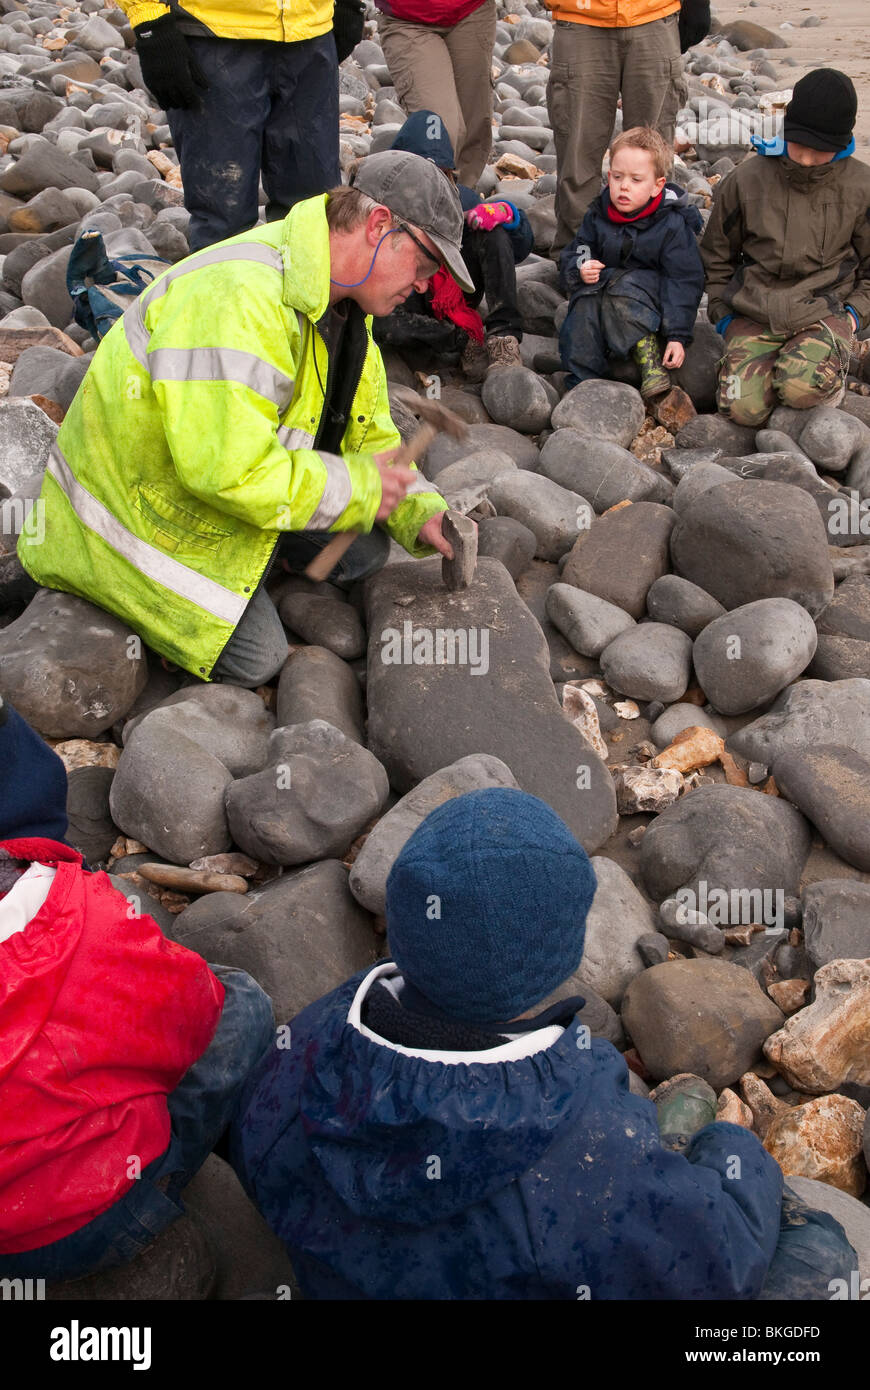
<point x="200" y="1108"/>
<point x="258" y="647"/>
<point x="269" y="106"/>
<point x="606" y="321"/>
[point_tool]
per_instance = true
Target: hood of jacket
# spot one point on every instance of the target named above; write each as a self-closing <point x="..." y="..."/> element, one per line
<point x="416" y="1137"/>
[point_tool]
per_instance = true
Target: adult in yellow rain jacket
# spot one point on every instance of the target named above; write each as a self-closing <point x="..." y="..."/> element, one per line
<point x="604" y="49"/>
<point x="248" y="86"/>
<point x="237" y="412"/>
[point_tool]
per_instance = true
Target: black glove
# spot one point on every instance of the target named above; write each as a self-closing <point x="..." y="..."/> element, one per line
<point x="347" y="26"/>
<point x="169" y="70"/>
<point x="694" y="22"/>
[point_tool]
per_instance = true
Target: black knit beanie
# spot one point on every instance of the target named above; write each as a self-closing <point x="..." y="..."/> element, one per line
<point x="822" y="111"/>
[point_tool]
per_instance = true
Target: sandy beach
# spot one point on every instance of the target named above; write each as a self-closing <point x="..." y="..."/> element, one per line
<point x="842" y="40"/>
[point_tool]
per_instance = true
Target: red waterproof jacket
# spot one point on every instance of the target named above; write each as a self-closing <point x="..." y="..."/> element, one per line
<point x="100" y="1017"/>
<point x="442" y="14"/>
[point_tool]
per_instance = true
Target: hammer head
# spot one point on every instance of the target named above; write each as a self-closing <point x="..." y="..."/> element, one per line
<point x="432" y="412"/>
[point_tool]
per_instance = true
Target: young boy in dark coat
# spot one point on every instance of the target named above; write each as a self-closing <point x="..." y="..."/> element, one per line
<point x="633" y="270"/>
<point x="433" y="1131"/>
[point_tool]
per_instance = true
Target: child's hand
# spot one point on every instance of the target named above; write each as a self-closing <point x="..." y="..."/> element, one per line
<point x="590" y="272"/>
<point x="675" y="355"/>
<point x="488" y="215"/>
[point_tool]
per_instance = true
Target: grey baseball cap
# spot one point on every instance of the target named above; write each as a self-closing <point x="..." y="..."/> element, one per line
<point x="415" y="189"/>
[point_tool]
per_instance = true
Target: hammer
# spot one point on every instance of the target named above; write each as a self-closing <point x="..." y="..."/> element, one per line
<point x="436" y="418"/>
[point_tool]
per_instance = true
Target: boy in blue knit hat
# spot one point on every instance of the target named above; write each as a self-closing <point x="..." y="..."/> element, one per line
<point x="433" y="1132"/>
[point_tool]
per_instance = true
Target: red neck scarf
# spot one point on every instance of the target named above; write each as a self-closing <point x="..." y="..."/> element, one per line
<point x="448" y="302"/>
<point x="652" y="206"/>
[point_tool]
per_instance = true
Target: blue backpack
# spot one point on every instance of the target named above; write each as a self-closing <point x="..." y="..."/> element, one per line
<point x="100" y="287"/>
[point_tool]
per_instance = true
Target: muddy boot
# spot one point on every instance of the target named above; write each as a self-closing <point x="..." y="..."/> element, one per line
<point x="654" y="380"/>
<point x="503" y="350"/>
<point x="474" y="361"/>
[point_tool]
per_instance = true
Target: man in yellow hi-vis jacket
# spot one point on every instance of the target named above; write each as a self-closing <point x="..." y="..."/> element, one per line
<point x="237" y="414"/>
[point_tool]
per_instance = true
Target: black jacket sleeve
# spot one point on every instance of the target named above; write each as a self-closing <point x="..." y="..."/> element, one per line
<point x="682" y="284"/>
<point x="569" y="270"/>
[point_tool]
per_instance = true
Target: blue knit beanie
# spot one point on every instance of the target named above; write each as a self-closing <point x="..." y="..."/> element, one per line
<point x="32" y="782"/>
<point x="487" y="904"/>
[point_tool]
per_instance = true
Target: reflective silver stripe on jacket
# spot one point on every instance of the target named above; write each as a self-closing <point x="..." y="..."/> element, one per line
<point x="136" y="332"/>
<point x="294" y="438"/>
<point x="222" y="364"/>
<point x="337" y="493"/>
<point x="213" y="255"/>
<point x="197" y="588"/>
<point x="138" y="336"/>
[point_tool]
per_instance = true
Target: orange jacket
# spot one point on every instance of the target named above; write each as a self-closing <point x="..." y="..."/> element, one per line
<point x="612" y="14"/>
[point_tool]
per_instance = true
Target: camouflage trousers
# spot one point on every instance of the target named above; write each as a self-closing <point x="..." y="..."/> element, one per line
<point x="761" y="370"/>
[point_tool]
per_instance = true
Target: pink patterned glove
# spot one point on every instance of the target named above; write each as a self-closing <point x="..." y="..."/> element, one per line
<point x="488" y="215"/>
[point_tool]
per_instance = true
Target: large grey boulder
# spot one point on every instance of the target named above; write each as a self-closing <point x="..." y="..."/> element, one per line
<point x="809" y="712"/>
<point x="672" y="599"/>
<point x="747" y="540"/>
<point x="598" y="561"/>
<point x="316" y="684"/>
<point x="555" y="515"/>
<point x="608" y="410"/>
<point x="618" y="917"/>
<point x="836" y="920"/>
<point x="169" y="793"/>
<point x="68" y="667"/>
<point x="517" y="397"/>
<point x="600" y="470"/>
<point x="316" y="793"/>
<point x="743" y="659"/>
<point x="649" y="661"/>
<point x="370" y="869"/>
<point x="589" y="623"/>
<point x="732" y="838"/>
<point x="249" y="1256"/>
<point x="299" y="937"/>
<point x="490" y="691"/>
<point x="707" y="1017"/>
<point x="26" y="435"/>
<point x="230" y="723"/>
<point x="830" y="783"/>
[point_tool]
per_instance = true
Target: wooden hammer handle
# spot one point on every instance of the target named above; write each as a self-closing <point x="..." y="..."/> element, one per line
<point x="323" y="564"/>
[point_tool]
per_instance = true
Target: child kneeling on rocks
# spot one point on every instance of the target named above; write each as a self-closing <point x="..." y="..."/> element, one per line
<point x="633" y="270"/>
<point x="434" y="1131"/>
<point x="122" y="1052"/>
<point x="787" y="256"/>
<point x="495" y="238"/>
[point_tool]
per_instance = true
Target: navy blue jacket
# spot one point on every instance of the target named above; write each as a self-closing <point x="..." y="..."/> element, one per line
<point x="528" y="1171"/>
<point x="660" y="250"/>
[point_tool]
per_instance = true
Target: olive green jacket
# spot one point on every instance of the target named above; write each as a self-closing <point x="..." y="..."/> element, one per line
<point x="787" y="246"/>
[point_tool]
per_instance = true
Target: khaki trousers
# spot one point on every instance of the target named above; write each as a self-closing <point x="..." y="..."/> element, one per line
<point x="449" y="71"/>
<point x="591" y="67"/>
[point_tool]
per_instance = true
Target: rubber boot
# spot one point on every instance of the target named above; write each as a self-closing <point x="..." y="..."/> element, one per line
<point x="654" y="379"/>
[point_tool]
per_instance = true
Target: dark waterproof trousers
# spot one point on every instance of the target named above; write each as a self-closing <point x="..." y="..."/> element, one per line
<point x="491" y="264"/>
<point x="270" y="108"/>
<point x="607" y="320"/>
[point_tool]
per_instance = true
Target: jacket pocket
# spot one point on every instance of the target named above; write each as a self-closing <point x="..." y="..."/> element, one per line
<point x="177" y="527"/>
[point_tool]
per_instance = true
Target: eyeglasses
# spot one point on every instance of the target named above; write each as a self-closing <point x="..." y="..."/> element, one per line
<point x="430" y="255"/>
